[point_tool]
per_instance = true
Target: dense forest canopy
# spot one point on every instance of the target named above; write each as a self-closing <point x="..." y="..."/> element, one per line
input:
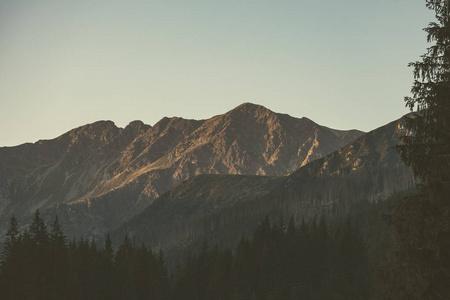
<point x="279" y="261"/>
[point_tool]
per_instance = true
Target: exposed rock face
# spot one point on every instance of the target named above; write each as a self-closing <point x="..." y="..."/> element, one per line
<point x="98" y="175"/>
<point x="253" y="140"/>
<point x="222" y="208"/>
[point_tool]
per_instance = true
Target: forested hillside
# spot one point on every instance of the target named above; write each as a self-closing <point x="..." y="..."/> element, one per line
<point x="319" y="259"/>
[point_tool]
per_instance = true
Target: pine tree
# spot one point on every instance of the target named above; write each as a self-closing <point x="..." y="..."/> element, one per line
<point x="12" y="234"/>
<point x="57" y="237"/>
<point x="11" y="239"/>
<point x="162" y="276"/>
<point x="418" y="261"/>
<point x="242" y="270"/>
<point x="106" y="269"/>
<point x="58" y="264"/>
<point x="38" y="230"/>
<point x="124" y="262"/>
<point x="10" y="261"/>
<point x="427" y="149"/>
<point x="108" y="251"/>
<point x="41" y="284"/>
<point x="322" y="256"/>
<point x="351" y="263"/>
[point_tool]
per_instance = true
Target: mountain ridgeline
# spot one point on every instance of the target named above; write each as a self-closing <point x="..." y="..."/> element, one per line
<point x="98" y="176"/>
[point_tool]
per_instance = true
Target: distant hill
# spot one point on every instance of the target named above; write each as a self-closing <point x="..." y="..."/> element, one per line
<point x="98" y="176"/>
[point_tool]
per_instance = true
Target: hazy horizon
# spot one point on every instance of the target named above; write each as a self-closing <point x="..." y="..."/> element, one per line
<point x="66" y="64"/>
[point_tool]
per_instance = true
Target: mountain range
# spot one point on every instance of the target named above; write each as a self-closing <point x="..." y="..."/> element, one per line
<point x="180" y="180"/>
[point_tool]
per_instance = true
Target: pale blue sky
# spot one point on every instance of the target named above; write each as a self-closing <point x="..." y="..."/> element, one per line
<point x="341" y="63"/>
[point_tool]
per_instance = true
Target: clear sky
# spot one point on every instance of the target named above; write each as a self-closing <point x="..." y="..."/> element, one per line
<point x="66" y="63"/>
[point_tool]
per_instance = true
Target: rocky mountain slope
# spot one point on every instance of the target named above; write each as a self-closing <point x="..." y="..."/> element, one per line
<point x="97" y="176"/>
<point x="222" y="208"/>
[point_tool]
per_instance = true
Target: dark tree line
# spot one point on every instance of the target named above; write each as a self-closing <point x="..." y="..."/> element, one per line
<point x="279" y="261"/>
<point x="41" y="264"/>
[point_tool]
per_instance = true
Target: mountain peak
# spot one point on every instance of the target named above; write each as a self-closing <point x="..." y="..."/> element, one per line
<point x="250" y="107"/>
<point x="96" y="128"/>
<point x="251" y="110"/>
<point x="136" y="123"/>
<point x="137" y="126"/>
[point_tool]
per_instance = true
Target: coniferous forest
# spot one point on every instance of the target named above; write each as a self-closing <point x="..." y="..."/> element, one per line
<point x="279" y="261"/>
